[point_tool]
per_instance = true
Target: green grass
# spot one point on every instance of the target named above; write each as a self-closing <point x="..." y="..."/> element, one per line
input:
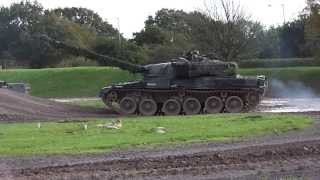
<point x="305" y="74"/>
<point x="87" y="81"/>
<point x="71" y="138"/>
<point x="67" y="82"/>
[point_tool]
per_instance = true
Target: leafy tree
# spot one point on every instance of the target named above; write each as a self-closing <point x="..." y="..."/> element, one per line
<point x="292" y="39"/>
<point x="268" y="43"/>
<point x="87" y="17"/>
<point x="312" y="30"/>
<point x="152" y="34"/>
<point x="126" y="51"/>
<point x="231" y="32"/>
<point x="15" y="22"/>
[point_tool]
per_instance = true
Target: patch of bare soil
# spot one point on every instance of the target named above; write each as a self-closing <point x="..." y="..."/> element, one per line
<point x="22" y="107"/>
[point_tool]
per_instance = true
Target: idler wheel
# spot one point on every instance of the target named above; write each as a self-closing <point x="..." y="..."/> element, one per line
<point x="109" y="98"/>
<point x="128" y="105"/>
<point x="191" y="106"/>
<point x="234" y="104"/>
<point x="213" y="105"/>
<point x="148" y="107"/>
<point x="171" y="107"/>
<point x="253" y="99"/>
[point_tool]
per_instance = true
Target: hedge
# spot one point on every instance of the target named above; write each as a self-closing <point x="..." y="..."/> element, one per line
<point x="274" y="63"/>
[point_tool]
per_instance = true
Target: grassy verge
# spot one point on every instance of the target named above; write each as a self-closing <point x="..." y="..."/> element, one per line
<point x="305" y="74"/>
<point x="87" y="81"/>
<point x="71" y="138"/>
<point x="67" y="82"/>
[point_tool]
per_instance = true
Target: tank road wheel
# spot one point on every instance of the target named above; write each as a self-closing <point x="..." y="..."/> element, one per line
<point x="191" y="106"/>
<point x="128" y="105"/>
<point x="253" y="99"/>
<point x="171" y="107"/>
<point x="213" y="105"/>
<point x="148" y="107"/>
<point x="234" y="104"/>
<point x="109" y="98"/>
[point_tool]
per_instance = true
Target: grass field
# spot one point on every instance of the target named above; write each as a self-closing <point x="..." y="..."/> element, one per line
<point x="87" y="81"/>
<point x="67" y="82"/>
<point x="71" y="138"/>
<point x="305" y="74"/>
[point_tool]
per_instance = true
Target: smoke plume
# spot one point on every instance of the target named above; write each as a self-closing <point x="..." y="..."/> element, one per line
<point x="291" y="89"/>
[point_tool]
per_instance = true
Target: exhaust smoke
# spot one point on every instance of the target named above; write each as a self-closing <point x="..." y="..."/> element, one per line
<point x="291" y="96"/>
<point x="291" y="89"/>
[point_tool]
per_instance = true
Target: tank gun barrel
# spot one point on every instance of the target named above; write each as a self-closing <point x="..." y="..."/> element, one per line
<point x="77" y="51"/>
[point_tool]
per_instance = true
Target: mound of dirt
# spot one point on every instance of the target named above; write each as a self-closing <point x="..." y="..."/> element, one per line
<point x="22" y="107"/>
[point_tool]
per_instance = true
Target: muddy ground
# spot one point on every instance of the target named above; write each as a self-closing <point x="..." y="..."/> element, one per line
<point x="294" y="155"/>
<point x="22" y="107"/>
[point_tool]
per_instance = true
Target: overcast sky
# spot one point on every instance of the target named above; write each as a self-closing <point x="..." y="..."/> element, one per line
<point x="133" y="13"/>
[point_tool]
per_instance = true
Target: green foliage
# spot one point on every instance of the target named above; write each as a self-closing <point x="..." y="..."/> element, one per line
<point x="89" y="18"/>
<point x="70" y="138"/>
<point x="166" y="35"/>
<point x="229" y="34"/>
<point x="312" y="29"/>
<point x="179" y="32"/>
<point x="274" y="63"/>
<point x="292" y="39"/>
<point x="123" y="50"/>
<point x="22" y="23"/>
<point x="268" y="43"/>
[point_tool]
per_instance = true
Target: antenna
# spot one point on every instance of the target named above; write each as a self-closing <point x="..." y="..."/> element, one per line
<point x="119" y="34"/>
<point x="283" y="13"/>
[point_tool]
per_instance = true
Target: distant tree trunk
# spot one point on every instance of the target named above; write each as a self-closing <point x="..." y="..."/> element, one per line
<point x="4" y="56"/>
<point x="3" y="64"/>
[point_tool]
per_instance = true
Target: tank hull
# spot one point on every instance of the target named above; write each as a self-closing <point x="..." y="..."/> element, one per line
<point x="186" y="96"/>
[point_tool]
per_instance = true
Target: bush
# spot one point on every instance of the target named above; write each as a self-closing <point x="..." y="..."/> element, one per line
<point x="273" y="63"/>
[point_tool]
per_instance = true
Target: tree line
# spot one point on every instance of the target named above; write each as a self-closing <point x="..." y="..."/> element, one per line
<point x="221" y="30"/>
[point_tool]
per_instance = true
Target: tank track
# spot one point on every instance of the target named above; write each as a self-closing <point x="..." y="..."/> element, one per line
<point x="181" y="101"/>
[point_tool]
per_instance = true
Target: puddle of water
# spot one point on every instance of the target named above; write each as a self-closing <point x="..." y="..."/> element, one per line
<point x="289" y="105"/>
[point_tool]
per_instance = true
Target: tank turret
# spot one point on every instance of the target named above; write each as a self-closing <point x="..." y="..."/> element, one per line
<point x="187" y="67"/>
<point x="186" y="85"/>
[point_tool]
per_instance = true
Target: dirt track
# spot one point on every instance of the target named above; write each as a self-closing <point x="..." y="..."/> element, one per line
<point x="295" y="154"/>
<point x="243" y="160"/>
<point x="22" y="107"/>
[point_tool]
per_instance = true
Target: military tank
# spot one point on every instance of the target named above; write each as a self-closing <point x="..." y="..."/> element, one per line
<point x="187" y="85"/>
